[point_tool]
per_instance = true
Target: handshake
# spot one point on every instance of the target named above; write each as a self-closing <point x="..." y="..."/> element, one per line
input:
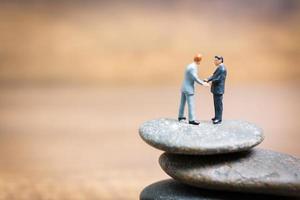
<point x="206" y="84"/>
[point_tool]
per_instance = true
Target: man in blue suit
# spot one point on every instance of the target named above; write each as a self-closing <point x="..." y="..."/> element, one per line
<point x="187" y="90"/>
<point x="218" y="87"/>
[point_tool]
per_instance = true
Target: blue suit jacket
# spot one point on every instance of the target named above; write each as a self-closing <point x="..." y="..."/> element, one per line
<point x="218" y="80"/>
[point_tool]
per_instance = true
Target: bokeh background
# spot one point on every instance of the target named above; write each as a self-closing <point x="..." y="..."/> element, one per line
<point x="77" y="78"/>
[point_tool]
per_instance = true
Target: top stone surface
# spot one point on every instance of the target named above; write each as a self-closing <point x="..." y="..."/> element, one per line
<point x="180" y="137"/>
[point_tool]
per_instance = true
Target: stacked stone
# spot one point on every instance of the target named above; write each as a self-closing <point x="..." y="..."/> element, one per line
<point x="218" y="162"/>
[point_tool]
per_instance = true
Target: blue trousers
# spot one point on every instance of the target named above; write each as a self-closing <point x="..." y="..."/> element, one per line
<point x="190" y="99"/>
<point x="218" y="104"/>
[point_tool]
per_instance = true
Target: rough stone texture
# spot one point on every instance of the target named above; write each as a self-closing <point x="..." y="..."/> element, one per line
<point x="180" y="137"/>
<point x="258" y="170"/>
<point x="173" y="190"/>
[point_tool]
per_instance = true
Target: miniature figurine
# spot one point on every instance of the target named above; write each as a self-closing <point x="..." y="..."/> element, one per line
<point x="187" y="90"/>
<point x="217" y="87"/>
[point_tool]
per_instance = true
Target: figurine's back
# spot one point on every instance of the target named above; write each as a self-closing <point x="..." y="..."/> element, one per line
<point x="188" y="81"/>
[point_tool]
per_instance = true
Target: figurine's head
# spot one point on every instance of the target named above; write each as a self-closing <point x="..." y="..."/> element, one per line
<point x="218" y="60"/>
<point x="198" y="58"/>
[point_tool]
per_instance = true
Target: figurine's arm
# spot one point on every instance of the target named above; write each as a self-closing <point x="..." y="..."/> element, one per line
<point x="195" y="77"/>
<point x="215" y="77"/>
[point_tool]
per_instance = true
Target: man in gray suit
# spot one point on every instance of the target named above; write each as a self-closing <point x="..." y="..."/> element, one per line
<point x="187" y="90"/>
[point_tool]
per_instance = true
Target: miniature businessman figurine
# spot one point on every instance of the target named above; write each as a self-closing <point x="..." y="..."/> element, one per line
<point x="217" y="87"/>
<point x="187" y="90"/>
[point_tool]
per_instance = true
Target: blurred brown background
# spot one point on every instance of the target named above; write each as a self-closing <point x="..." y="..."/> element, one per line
<point x="77" y="78"/>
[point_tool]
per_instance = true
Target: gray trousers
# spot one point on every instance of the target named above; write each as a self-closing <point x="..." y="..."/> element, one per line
<point x="190" y="99"/>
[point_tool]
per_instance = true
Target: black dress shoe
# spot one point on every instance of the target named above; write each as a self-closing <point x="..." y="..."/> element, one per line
<point x="213" y="119"/>
<point x="181" y="118"/>
<point x="217" y="121"/>
<point x="194" y="122"/>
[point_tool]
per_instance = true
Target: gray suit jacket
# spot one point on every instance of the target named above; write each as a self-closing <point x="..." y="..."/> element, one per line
<point x="190" y="76"/>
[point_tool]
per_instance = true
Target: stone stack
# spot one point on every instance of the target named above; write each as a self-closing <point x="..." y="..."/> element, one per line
<point x="218" y="162"/>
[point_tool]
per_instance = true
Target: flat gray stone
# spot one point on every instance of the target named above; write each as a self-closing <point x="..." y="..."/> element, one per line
<point x="173" y="190"/>
<point x="180" y="137"/>
<point x="258" y="171"/>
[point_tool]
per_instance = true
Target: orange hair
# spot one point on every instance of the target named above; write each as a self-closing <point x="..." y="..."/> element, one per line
<point x="198" y="57"/>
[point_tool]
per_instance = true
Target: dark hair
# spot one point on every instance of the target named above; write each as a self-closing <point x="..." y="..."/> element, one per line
<point x="220" y="58"/>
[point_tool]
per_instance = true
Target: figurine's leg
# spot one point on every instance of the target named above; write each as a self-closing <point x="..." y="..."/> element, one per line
<point x="215" y="106"/>
<point x="191" y="106"/>
<point x="218" y="101"/>
<point x="221" y="106"/>
<point x="182" y="105"/>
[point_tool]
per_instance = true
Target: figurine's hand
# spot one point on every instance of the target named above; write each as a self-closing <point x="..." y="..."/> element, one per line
<point x="206" y="84"/>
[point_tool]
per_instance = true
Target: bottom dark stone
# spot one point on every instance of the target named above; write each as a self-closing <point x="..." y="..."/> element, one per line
<point x="172" y="190"/>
